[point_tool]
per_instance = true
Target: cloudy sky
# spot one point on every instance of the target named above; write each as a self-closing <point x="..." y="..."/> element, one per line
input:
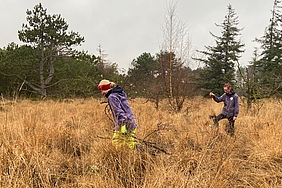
<point x="127" y="28"/>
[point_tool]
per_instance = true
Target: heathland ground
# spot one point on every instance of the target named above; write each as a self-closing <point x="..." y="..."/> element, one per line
<point x="67" y="144"/>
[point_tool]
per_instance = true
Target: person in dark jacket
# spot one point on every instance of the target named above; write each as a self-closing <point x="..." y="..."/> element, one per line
<point x="230" y="109"/>
<point x="124" y="121"/>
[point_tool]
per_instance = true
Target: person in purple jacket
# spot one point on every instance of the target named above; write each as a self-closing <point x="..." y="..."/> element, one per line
<point x="230" y="109"/>
<point x="124" y="121"/>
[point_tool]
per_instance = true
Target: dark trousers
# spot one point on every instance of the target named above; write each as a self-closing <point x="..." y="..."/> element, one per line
<point x="229" y="128"/>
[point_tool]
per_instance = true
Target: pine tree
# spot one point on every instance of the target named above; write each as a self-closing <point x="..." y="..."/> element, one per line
<point x="270" y="61"/>
<point x="49" y="35"/>
<point x="221" y="59"/>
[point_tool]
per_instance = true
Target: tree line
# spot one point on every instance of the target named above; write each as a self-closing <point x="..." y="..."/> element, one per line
<point x="47" y="65"/>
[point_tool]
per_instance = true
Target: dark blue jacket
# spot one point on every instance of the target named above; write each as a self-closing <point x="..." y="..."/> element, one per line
<point x="231" y="104"/>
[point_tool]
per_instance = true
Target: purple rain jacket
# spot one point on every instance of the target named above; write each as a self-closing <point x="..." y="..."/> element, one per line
<point x="231" y="104"/>
<point x="121" y="111"/>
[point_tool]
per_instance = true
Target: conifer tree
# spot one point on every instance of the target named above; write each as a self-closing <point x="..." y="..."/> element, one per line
<point x="269" y="65"/>
<point x="49" y="35"/>
<point x="143" y="77"/>
<point x="220" y="60"/>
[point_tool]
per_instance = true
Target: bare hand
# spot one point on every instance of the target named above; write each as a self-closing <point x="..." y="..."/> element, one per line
<point x="212" y="95"/>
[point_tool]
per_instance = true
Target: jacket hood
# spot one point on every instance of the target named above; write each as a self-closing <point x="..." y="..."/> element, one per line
<point x="232" y="93"/>
<point x="116" y="89"/>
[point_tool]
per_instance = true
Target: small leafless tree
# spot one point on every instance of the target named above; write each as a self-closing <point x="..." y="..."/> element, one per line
<point x="177" y="43"/>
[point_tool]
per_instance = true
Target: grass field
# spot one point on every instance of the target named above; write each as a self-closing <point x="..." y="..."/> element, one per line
<point x="66" y="144"/>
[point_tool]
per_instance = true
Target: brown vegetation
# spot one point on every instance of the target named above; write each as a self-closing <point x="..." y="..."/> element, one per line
<point x="65" y="144"/>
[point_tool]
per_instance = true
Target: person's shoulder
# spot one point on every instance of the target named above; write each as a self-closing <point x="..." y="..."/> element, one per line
<point x="235" y="95"/>
<point x="224" y="94"/>
<point x="113" y="99"/>
<point x="113" y="96"/>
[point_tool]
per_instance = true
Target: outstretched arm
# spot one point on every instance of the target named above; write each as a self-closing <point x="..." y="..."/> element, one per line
<point x="217" y="99"/>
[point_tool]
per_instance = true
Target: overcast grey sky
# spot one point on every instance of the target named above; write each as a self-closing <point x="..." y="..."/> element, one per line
<point x="127" y="28"/>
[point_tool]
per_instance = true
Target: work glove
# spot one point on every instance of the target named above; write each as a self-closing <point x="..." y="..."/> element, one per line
<point x="123" y="129"/>
<point x="212" y="95"/>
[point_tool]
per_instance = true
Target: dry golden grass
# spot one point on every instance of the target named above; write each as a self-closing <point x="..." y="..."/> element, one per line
<point x="64" y="144"/>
